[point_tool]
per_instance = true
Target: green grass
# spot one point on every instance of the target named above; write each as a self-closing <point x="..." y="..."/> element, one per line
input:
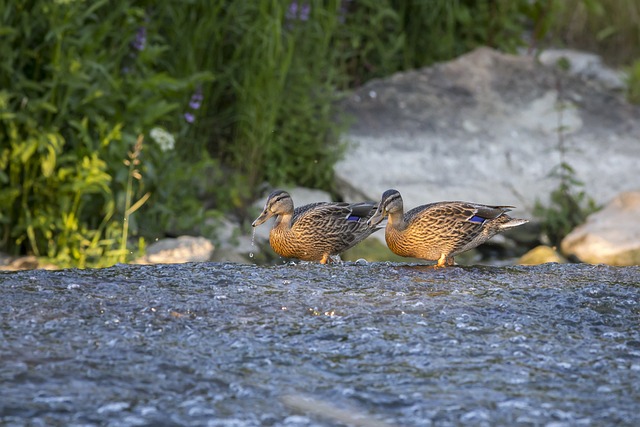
<point x="609" y="28"/>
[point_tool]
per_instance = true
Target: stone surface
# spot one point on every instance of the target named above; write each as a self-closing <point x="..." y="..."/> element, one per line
<point x="393" y="344"/>
<point x="541" y="255"/>
<point x="484" y="128"/>
<point x="585" y="64"/>
<point x="610" y="236"/>
<point x="179" y="250"/>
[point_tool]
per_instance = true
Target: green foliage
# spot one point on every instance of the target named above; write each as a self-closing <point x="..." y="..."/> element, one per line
<point x="269" y="116"/>
<point x="568" y="207"/>
<point x="80" y="83"/>
<point x="609" y="28"/>
<point x="441" y="29"/>
<point x="187" y="199"/>
<point x="633" y="82"/>
<point x="367" y="42"/>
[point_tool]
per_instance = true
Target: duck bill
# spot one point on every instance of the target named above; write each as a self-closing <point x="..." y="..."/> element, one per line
<point x="376" y="218"/>
<point x="265" y="215"/>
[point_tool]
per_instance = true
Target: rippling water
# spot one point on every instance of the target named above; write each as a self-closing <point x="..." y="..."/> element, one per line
<point x="311" y="345"/>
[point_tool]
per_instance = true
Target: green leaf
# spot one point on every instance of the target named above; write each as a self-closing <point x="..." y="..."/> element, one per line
<point x="44" y="105"/>
<point x="23" y="151"/>
<point x="48" y="162"/>
<point x="606" y="32"/>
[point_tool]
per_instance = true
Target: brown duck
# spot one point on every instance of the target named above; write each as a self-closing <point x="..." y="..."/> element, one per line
<point x="317" y="231"/>
<point x="440" y="231"/>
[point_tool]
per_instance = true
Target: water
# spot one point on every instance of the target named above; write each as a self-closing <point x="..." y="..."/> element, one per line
<point x="321" y="345"/>
<point x="253" y="240"/>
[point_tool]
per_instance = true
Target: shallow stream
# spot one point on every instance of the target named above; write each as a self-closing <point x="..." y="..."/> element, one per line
<point x="378" y="344"/>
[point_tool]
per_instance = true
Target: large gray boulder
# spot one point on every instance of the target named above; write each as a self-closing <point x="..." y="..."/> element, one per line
<point x="485" y="128"/>
<point x="610" y="236"/>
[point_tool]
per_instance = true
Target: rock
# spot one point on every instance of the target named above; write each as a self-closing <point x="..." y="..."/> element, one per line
<point x="179" y="250"/>
<point x="541" y="255"/>
<point x="552" y="345"/>
<point x="585" y="64"/>
<point x="234" y="255"/>
<point x="233" y="242"/>
<point x="28" y="262"/>
<point x="484" y="128"/>
<point x="610" y="236"/>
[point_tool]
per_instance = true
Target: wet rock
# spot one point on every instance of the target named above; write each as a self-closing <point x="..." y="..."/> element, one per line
<point x="541" y="255"/>
<point x="179" y="250"/>
<point x="361" y="344"/>
<point x="484" y="128"/>
<point x="610" y="236"/>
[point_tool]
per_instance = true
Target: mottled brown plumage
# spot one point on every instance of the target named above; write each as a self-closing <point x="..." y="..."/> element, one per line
<point x="316" y="231"/>
<point x="439" y="231"/>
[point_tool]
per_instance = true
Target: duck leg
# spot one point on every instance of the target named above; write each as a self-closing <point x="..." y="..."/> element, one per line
<point x="444" y="261"/>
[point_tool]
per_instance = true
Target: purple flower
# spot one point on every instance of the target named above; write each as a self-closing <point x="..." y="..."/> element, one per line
<point x="196" y="99"/>
<point x="195" y="103"/>
<point x="344" y="11"/>
<point x="299" y="12"/>
<point x="141" y="39"/>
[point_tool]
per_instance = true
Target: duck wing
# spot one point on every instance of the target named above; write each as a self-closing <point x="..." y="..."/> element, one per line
<point x="444" y="212"/>
<point x="343" y="224"/>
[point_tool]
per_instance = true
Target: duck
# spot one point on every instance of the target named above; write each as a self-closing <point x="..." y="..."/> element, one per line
<point x="439" y="231"/>
<point x="318" y="231"/>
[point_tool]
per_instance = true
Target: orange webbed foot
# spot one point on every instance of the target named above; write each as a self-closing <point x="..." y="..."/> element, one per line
<point x="445" y="261"/>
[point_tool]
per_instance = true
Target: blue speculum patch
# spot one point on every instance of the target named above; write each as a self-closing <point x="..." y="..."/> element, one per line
<point x="353" y="218"/>
<point x="477" y="219"/>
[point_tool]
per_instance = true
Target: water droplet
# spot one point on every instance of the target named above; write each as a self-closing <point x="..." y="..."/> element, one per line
<point x="253" y="239"/>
